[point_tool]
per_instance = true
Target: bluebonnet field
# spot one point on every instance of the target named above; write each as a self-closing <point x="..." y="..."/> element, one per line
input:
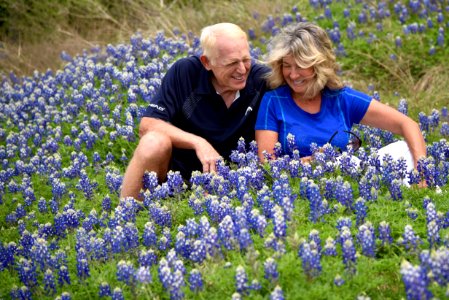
<point x="283" y="230"/>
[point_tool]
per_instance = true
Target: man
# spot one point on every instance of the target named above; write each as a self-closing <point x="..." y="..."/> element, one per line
<point x="203" y="107"/>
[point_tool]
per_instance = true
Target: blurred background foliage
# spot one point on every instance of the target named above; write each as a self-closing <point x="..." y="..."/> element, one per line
<point x="34" y="32"/>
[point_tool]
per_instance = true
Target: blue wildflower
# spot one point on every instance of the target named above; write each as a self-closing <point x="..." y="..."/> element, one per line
<point x="415" y="281"/>
<point x="49" y="282"/>
<point x="385" y="233"/>
<point x="270" y="268"/>
<point x="195" y="281"/>
<point x="241" y="280"/>
<point x="277" y="294"/>
<point x="104" y="290"/>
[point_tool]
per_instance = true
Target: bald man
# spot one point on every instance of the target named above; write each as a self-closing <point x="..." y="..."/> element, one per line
<point x="204" y="105"/>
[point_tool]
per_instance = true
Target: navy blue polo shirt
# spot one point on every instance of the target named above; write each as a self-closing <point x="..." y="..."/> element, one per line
<point x="188" y="100"/>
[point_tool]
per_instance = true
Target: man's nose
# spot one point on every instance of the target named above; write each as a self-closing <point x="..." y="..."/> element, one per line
<point x="241" y="67"/>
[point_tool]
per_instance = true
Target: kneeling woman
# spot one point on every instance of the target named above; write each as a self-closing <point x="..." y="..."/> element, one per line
<point x="309" y="100"/>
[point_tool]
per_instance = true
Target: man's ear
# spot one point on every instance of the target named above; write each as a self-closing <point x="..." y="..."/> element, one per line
<point x="205" y="61"/>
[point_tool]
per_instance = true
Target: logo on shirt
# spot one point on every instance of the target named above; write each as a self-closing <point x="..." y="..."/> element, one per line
<point x="248" y="110"/>
<point x="160" y="108"/>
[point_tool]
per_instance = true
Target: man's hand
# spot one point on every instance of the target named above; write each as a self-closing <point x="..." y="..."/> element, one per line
<point x="207" y="155"/>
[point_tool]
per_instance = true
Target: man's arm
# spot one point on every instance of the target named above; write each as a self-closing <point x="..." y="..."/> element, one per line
<point x="207" y="155"/>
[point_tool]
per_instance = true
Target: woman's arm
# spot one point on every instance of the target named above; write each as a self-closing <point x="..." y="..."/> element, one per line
<point x="385" y="117"/>
<point x="266" y="139"/>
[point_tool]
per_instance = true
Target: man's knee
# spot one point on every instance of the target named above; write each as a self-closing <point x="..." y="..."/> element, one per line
<point x="154" y="146"/>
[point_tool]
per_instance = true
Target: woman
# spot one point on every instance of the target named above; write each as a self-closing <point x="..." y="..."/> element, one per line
<point x="310" y="102"/>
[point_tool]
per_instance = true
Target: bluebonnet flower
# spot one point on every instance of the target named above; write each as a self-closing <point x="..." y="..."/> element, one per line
<point x="431" y="213"/>
<point x="343" y="222"/>
<point x="125" y="272"/>
<point x="444" y="112"/>
<point x="277" y="294"/>
<point x="86" y="186"/>
<point x="270" y="268"/>
<point x="241" y="280"/>
<point x="143" y="275"/>
<point x="403" y="106"/>
<point x="104" y="290"/>
<point x="367" y="239"/>
<point x="82" y="265"/>
<point x="409" y="239"/>
<point x="329" y="247"/>
<point x="239" y="218"/>
<point x="338" y="280"/>
<point x="71" y="218"/>
<point x="360" y="210"/>
<point x="42" y="205"/>
<point x="444" y="130"/>
<point x="196" y="203"/>
<point x="149" y="237"/>
<point x="258" y="222"/>
<point x="175" y="182"/>
<point x="165" y="273"/>
<point x="131" y="236"/>
<point x="433" y="233"/>
<point x="395" y="189"/>
<point x="349" y="255"/>
<point x="343" y="194"/>
<point x="244" y="239"/>
<point x="279" y="222"/>
<point x="195" y="281"/>
<point x="165" y="240"/>
<point x="385" y="233"/>
<point x="24" y="293"/>
<point x="160" y="214"/>
<point x="27" y="272"/>
<point x="49" y="282"/>
<point x="113" y="180"/>
<point x="212" y="242"/>
<point x="117" y="294"/>
<point x="26" y="241"/>
<point x="255" y="285"/>
<point x="310" y="257"/>
<point x="436" y="264"/>
<point x="41" y="254"/>
<point x="226" y="232"/>
<point x="147" y="258"/>
<point x="314" y="236"/>
<point x="424" y="122"/>
<point x="415" y="281"/>
<point x="63" y="275"/>
<point x="315" y="201"/>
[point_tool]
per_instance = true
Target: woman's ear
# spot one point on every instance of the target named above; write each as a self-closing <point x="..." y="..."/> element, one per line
<point x="206" y="62"/>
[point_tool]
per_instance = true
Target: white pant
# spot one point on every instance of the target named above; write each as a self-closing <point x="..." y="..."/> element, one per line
<point x="397" y="150"/>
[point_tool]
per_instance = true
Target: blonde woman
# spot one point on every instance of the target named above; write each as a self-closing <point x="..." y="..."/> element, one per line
<point x="310" y="102"/>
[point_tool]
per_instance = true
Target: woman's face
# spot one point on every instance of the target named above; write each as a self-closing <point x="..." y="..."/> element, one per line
<point x="297" y="78"/>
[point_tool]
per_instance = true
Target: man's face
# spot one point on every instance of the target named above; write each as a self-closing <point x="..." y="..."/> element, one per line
<point x="230" y="63"/>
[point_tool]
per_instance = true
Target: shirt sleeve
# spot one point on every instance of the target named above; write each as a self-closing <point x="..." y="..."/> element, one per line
<point x="266" y="117"/>
<point x="167" y="102"/>
<point x="356" y="105"/>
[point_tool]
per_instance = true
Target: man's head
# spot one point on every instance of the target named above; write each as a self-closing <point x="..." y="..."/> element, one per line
<point x="226" y="53"/>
